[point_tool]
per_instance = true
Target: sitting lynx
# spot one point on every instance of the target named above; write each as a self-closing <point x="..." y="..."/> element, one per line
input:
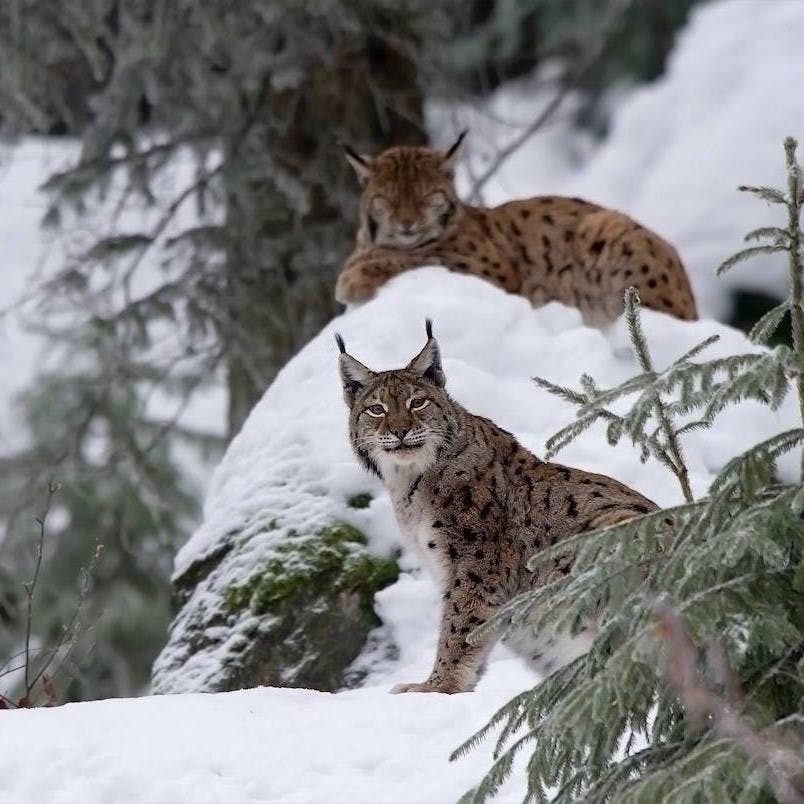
<point x="475" y="504"/>
<point x="545" y="248"/>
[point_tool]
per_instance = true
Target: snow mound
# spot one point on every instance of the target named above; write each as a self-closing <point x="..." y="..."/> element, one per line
<point x="292" y="460"/>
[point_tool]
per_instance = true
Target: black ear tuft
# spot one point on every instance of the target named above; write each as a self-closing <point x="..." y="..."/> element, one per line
<point x="455" y="145"/>
<point x="428" y="362"/>
<point x="352" y="154"/>
<point x="341" y="344"/>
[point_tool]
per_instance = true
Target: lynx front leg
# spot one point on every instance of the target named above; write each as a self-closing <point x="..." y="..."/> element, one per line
<point x="458" y="663"/>
<point x="365" y="271"/>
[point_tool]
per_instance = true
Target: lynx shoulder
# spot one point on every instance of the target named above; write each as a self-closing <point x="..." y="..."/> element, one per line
<point x="475" y="504"/>
<point x="545" y="248"/>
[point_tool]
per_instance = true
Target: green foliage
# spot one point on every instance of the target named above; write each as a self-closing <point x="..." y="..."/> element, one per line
<point x="616" y="724"/>
<point x="332" y="558"/>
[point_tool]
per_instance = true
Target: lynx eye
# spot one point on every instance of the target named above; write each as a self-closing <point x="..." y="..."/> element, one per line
<point x="437" y="200"/>
<point x="418" y="403"/>
<point x="379" y="205"/>
<point x="376" y="410"/>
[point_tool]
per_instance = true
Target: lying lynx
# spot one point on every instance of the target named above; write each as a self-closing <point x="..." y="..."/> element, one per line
<point x="545" y="248"/>
<point x="475" y="504"/>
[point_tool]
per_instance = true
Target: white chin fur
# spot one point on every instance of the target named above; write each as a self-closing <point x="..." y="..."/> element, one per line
<point x="407" y="461"/>
<point x="404" y="241"/>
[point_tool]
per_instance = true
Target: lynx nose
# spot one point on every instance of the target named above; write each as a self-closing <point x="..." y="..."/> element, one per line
<point x="401" y="432"/>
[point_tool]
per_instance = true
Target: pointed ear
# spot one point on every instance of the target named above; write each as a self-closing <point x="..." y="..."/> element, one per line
<point x="428" y="362"/>
<point x="360" y="163"/>
<point x="451" y="154"/>
<point x="354" y="375"/>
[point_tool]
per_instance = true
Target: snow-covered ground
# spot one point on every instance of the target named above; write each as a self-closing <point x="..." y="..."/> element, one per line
<point x="362" y="745"/>
<point x="267" y="745"/>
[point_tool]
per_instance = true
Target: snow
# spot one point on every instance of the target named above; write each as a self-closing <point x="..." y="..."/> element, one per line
<point x="362" y="745"/>
<point x="264" y="745"/>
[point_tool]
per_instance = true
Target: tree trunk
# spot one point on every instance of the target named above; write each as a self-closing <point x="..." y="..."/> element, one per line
<point x="292" y="200"/>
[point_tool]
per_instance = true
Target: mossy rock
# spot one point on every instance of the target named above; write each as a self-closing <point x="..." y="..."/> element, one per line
<point x="316" y="598"/>
<point x="299" y="619"/>
<point x="360" y="501"/>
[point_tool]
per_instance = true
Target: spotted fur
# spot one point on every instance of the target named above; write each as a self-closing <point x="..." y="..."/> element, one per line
<point x="545" y="248"/>
<point x="475" y="504"/>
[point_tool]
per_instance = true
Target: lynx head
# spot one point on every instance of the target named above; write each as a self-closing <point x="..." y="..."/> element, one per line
<point x="401" y="419"/>
<point x="409" y="197"/>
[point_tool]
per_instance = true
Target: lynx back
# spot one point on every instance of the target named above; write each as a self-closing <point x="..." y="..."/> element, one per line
<point x="547" y="248"/>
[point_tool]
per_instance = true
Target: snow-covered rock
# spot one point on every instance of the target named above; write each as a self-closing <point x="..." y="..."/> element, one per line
<point x="290" y="474"/>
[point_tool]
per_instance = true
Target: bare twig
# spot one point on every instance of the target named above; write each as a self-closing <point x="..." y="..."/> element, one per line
<point x="707" y="709"/>
<point x="609" y="27"/>
<point x="41" y="674"/>
<point x="30" y="586"/>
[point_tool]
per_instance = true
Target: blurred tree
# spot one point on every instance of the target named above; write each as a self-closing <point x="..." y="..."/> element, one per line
<point x="221" y="125"/>
<point x="505" y="39"/>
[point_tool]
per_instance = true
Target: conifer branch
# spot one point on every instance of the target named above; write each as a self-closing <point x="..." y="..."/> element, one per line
<point x="641" y="348"/>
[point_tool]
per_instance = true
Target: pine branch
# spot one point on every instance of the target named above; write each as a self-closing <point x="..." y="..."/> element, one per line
<point x="747" y="254"/>
<point x="765" y="328"/>
<point x="641" y="348"/>
<point x="770" y="449"/>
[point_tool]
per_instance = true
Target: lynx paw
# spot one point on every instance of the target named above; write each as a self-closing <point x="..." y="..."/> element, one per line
<point x="424" y="686"/>
<point x="354" y="287"/>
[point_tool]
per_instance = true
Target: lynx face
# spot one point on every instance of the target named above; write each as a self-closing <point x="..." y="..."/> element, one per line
<point x="399" y="419"/>
<point x="409" y="197"/>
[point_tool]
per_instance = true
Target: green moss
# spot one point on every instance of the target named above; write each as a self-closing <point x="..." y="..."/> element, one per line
<point x="370" y="573"/>
<point x="334" y="559"/>
<point x="360" y="500"/>
<point x="341" y="533"/>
